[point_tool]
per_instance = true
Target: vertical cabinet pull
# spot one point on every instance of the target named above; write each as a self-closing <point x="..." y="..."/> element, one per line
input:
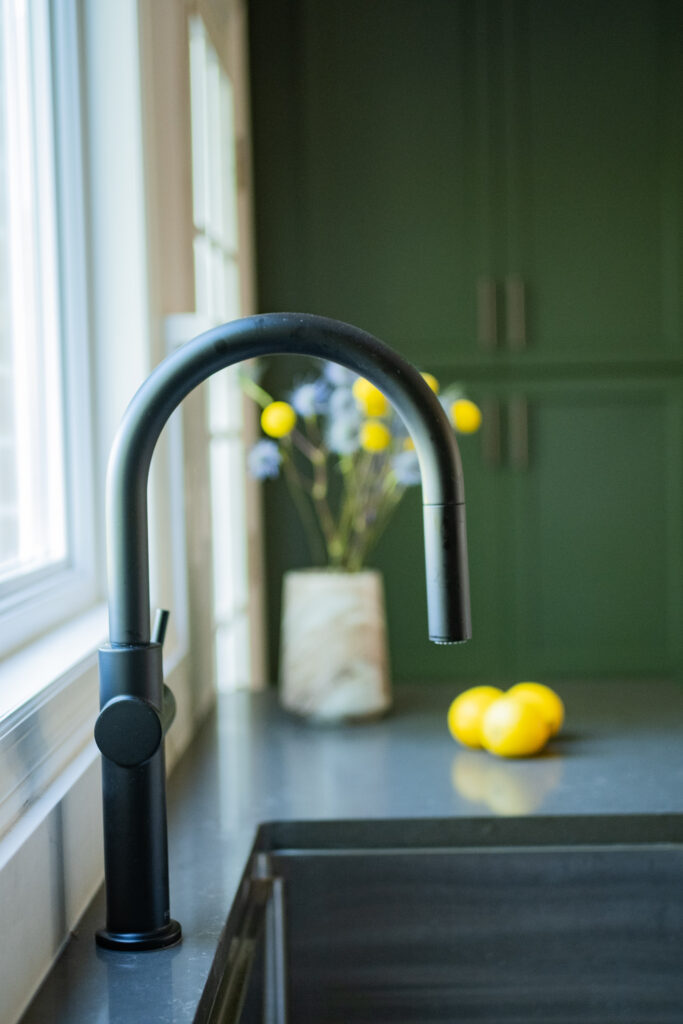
<point x="518" y="432"/>
<point x="491" y="433"/>
<point x="487" y="313"/>
<point x="515" y="313"/>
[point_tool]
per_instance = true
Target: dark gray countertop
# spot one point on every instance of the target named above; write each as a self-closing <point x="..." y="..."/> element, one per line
<point x="621" y="752"/>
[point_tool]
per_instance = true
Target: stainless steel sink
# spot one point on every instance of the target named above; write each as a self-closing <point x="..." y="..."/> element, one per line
<point x="557" y="919"/>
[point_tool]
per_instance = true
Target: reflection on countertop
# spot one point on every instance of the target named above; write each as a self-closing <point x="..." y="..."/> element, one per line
<point x="505" y="788"/>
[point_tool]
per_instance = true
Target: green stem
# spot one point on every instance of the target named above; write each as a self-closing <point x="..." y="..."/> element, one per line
<point x="390" y="502"/>
<point x="298" y="490"/>
<point x="371" y="471"/>
<point x="319" y="490"/>
<point x="254" y="390"/>
<point x="355" y="470"/>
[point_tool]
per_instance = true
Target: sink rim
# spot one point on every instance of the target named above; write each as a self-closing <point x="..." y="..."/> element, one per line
<point x="428" y="835"/>
<point x="453" y="833"/>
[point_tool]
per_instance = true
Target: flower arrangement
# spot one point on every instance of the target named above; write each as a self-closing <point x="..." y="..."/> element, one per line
<point x="345" y="455"/>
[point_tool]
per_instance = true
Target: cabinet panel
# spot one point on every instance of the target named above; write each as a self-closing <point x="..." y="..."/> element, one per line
<point x="383" y="223"/>
<point x="597" y="531"/>
<point x="574" y="538"/>
<point x="593" y="97"/>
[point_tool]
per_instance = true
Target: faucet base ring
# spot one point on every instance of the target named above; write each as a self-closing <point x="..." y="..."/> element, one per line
<point x="169" y="935"/>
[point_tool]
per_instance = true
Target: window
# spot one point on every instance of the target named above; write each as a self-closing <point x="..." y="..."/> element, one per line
<point x="32" y="508"/>
<point x="217" y="287"/>
<point x="46" y="533"/>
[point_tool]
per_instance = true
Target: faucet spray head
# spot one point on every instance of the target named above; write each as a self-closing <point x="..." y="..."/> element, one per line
<point x="448" y="594"/>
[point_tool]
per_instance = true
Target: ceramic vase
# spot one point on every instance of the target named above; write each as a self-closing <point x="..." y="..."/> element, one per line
<point x="334" y="663"/>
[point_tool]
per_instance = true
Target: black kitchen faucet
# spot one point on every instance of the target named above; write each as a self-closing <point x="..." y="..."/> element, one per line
<point x="136" y="707"/>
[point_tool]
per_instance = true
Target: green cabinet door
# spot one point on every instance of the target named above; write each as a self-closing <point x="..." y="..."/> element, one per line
<point x="592" y="108"/>
<point x="373" y="203"/>
<point x="596" y="521"/>
<point x="575" y="536"/>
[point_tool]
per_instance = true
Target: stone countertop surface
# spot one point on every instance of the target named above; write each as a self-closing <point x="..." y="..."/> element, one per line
<point x="621" y="752"/>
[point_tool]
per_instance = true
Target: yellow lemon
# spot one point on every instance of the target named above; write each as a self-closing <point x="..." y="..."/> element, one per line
<point x="512" y="727"/>
<point x="544" y="700"/>
<point x="466" y="416"/>
<point x="466" y="713"/>
<point x="374" y="436"/>
<point x="370" y="398"/>
<point x="278" y="419"/>
<point x="432" y="381"/>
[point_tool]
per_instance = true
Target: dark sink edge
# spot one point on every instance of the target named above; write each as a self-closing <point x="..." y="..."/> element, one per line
<point x="442" y="833"/>
<point x="432" y="834"/>
<point x="210" y="992"/>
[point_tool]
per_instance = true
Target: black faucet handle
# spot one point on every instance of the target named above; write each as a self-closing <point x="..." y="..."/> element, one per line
<point x="128" y="731"/>
<point x="160" y="623"/>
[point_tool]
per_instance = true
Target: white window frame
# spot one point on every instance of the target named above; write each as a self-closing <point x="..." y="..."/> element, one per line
<point x="32" y="603"/>
<point x="222" y="230"/>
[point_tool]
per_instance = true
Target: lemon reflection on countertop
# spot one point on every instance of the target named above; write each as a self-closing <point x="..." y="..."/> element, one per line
<point x="507" y="789"/>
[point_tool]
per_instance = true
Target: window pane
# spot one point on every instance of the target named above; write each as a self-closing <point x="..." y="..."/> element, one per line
<point x="228" y="527"/>
<point x="32" y="491"/>
<point x="232" y="655"/>
<point x="217" y="289"/>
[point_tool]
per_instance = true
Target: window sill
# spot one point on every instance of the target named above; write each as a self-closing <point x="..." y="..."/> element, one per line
<point x="30" y="677"/>
<point x="48" y="705"/>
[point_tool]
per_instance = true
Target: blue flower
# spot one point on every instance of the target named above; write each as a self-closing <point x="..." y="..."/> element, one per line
<point x="342" y="436"/>
<point x="310" y="398"/>
<point x="344" y="420"/>
<point x="338" y="376"/>
<point x="344" y="406"/>
<point x="263" y="461"/>
<point x="406" y="468"/>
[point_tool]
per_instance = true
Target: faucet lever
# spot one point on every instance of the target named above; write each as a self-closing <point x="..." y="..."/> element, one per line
<point x="168" y="701"/>
<point x="160" y="624"/>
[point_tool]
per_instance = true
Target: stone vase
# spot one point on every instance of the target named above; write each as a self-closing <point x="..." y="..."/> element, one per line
<point x="334" y="663"/>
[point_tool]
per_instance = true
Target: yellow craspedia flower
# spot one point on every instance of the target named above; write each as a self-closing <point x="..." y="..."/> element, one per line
<point x="409" y="445"/>
<point x="430" y="379"/>
<point x="374" y="436"/>
<point x="370" y="399"/>
<point x="466" y="416"/>
<point x="278" y="419"/>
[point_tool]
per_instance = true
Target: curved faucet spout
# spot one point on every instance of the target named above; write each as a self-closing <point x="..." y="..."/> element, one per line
<point x="136" y="707"/>
<point x="437" y="450"/>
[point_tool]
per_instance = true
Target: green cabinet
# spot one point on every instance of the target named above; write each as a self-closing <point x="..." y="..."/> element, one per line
<point x="494" y="187"/>
<point x="596" y="514"/>
<point x="364" y="128"/>
<point x="575" y="532"/>
<point x="473" y="178"/>
<point x="591" y="146"/>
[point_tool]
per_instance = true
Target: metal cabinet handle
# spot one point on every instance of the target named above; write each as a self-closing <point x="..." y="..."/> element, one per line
<point x="487" y="313"/>
<point x="518" y="432"/>
<point x="491" y="432"/>
<point x="515" y="312"/>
